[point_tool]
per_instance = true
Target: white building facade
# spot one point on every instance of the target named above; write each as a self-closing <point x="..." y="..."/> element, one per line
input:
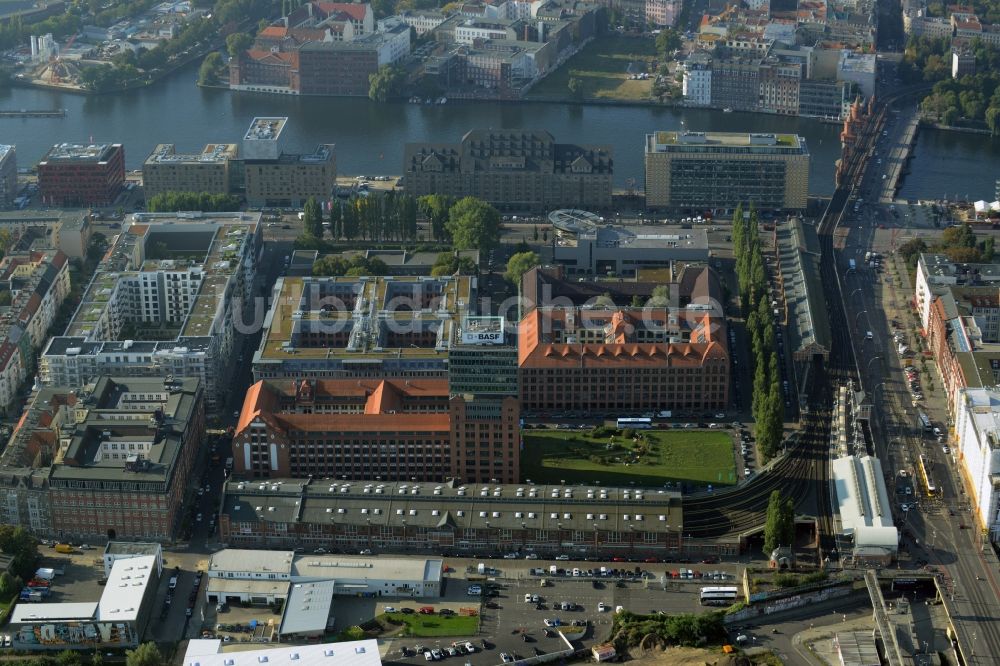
<point x="977" y="441"/>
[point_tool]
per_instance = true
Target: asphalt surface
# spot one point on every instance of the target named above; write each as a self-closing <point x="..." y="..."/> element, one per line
<point x="935" y="526"/>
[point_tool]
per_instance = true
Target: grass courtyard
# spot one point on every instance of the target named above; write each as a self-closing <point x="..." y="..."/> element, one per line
<point x="659" y="456"/>
<point x="432" y="626"/>
<point x="603" y="69"/>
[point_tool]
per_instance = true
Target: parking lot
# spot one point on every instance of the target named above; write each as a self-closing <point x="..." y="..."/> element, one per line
<point x="513" y="626"/>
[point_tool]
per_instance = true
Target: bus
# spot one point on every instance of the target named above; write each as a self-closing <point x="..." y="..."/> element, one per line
<point x="925" y="476"/>
<point x="718" y="596"/>
<point x="635" y="423"/>
<point x="924" y="421"/>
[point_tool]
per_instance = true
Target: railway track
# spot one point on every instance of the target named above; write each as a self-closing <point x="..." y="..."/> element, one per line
<point x="803" y="471"/>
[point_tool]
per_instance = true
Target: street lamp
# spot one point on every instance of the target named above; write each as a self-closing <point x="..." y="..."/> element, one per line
<point x="868" y="370"/>
<point x="857" y="317"/>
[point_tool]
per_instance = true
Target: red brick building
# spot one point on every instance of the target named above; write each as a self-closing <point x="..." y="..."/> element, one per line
<point x="623" y="360"/>
<point x="75" y="175"/>
<point x="375" y="429"/>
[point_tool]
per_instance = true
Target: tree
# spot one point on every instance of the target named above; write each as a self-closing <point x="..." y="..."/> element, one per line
<point x="7" y="589"/>
<point x="450" y="263"/>
<point x="386" y="83"/>
<point x="575" y="87"/>
<point x="435" y="208"/>
<point x="519" y="264"/>
<point x="667" y="41"/>
<point x="147" y="654"/>
<point x="6" y="240"/>
<point x="775" y="529"/>
<point x="96" y="659"/>
<point x="208" y="73"/>
<point x="636" y="301"/>
<point x="473" y="223"/>
<point x="993" y="119"/>
<point x="660" y="298"/>
<point x="312" y="218"/>
<point x="237" y="43"/>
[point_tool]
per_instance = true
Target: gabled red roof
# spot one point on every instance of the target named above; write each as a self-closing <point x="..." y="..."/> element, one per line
<point x="354" y="10"/>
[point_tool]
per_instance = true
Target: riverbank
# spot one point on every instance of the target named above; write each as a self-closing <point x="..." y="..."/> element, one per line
<point x="155" y="77"/>
<point x="955" y="128"/>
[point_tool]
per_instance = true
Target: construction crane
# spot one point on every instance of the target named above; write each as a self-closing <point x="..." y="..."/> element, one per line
<point x="56" y="62"/>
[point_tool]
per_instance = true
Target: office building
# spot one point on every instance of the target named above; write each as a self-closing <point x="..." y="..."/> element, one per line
<point x="484" y="361"/>
<point x="374" y="429"/>
<point x="212" y="170"/>
<point x="275" y="178"/>
<point x="623" y="360"/>
<point x="117" y="620"/>
<point x="512" y="169"/>
<point x="8" y="175"/>
<point x="363" y="327"/>
<point x="858" y="68"/>
<point x="80" y="175"/>
<point x="321" y="49"/>
<point x="588" y="245"/>
<point x="172" y="298"/>
<point x="455" y="518"/>
<point x="106" y="460"/>
<point x="711" y="170"/>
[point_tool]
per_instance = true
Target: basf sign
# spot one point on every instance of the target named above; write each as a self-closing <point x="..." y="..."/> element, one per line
<point x="482" y="331"/>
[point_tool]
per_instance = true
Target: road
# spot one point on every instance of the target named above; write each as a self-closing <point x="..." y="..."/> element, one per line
<point x="872" y="301"/>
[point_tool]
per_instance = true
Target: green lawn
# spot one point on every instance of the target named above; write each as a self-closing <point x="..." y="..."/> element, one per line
<point x="602" y="67"/>
<point x="693" y="456"/>
<point x="432" y="626"/>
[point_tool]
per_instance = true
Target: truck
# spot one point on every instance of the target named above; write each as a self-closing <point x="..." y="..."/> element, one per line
<point x="64" y="548"/>
<point x="34" y="594"/>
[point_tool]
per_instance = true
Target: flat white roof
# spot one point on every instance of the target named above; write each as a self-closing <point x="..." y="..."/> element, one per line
<point x="125" y="589"/>
<point x="862" y="500"/>
<point x="351" y="653"/>
<point x="346" y="569"/>
<point x="308" y="608"/>
<point x="239" y="559"/>
<point x="25" y="613"/>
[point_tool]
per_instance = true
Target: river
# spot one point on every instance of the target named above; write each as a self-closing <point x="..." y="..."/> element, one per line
<point x="370" y="137"/>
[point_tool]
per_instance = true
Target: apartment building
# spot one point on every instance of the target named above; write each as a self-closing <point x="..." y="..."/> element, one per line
<point x="977" y="444"/>
<point x="80" y="175"/>
<point x="104" y="460"/>
<point x="38" y="282"/>
<point x="513" y="169"/>
<point x="275" y="178"/>
<point x="936" y="274"/>
<point x="697" y="82"/>
<point x="399" y="327"/>
<point x="8" y="175"/>
<point x="212" y="170"/>
<point x="706" y="170"/>
<point x="374" y="429"/>
<point x="172" y="298"/>
<point x="623" y="360"/>
<point x="455" y="518"/>
<point x="662" y="13"/>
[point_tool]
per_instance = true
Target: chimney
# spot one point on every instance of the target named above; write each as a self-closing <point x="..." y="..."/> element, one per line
<point x="541" y="32"/>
